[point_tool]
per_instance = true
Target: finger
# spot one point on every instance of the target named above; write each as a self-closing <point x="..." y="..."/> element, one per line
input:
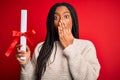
<point x="69" y="30"/>
<point x="65" y="29"/>
<point x="70" y="33"/>
<point x="18" y="48"/>
<point x="19" y="54"/>
<point x="59" y="23"/>
<point x="18" y="57"/>
<point x="66" y="34"/>
<point x="18" y="45"/>
<point x="62" y="25"/>
<point x="27" y="48"/>
<point x="65" y="26"/>
<point x="60" y="32"/>
<point x="22" y="61"/>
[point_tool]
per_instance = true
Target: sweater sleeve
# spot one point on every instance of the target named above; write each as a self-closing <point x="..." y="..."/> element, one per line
<point x="82" y="61"/>
<point x="28" y="69"/>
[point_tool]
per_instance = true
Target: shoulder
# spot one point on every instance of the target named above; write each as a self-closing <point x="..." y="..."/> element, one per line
<point x="37" y="49"/>
<point x="39" y="45"/>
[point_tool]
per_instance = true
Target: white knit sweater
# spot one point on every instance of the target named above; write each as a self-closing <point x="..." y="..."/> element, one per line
<point x="76" y="62"/>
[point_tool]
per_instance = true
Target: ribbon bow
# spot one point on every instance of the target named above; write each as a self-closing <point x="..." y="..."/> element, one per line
<point x="17" y="34"/>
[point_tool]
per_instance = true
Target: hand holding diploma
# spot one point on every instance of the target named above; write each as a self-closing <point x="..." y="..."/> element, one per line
<point x="21" y="53"/>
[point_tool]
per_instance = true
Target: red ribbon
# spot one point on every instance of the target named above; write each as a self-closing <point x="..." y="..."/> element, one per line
<point x="16" y="40"/>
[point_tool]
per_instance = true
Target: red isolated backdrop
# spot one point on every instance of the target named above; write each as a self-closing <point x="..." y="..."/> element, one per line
<point x="99" y="21"/>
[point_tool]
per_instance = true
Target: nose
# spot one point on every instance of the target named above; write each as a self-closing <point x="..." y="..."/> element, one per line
<point x="61" y="19"/>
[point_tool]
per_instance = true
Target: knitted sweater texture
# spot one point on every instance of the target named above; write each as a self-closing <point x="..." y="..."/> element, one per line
<point x="78" y="61"/>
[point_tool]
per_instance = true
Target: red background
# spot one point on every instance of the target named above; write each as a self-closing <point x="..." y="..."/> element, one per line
<point x="99" y="22"/>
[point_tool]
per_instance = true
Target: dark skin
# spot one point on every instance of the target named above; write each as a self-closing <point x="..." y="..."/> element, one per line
<point x="63" y="24"/>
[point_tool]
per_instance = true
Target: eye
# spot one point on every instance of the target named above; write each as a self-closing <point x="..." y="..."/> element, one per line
<point x="56" y="17"/>
<point x="66" y="16"/>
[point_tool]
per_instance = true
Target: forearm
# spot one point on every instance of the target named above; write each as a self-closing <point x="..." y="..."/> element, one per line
<point x="80" y="67"/>
<point x="27" y="72"/>
<point x="82" y="70"/>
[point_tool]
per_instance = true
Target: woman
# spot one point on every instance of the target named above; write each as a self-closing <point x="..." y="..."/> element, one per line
<point x="62" y="56"/>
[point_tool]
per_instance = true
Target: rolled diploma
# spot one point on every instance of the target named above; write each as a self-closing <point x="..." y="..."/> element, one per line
<point x="23" y="29"/>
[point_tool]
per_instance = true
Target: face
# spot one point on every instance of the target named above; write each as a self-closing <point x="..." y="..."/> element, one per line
<point x="63" y="14"/>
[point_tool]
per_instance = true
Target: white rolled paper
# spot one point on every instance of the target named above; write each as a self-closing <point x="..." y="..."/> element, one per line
<point x="23" y="28"/>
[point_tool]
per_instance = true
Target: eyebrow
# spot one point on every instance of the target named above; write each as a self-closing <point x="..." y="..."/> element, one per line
<point x="63" y="13"/>
<point x="67" y="12"/>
